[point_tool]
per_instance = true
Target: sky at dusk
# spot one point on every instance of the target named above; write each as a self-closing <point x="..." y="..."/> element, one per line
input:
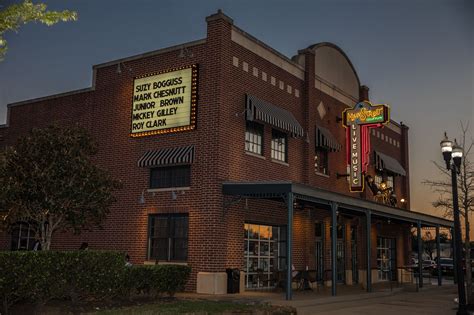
<point x="416" y="56"/>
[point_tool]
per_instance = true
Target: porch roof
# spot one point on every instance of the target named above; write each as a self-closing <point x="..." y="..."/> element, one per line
<point x="273" y="189"/>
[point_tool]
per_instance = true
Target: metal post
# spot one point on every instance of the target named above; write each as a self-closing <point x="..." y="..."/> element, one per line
<point x="457" y="240"/>
<point x="453" y="247"/>
<point x="333" y="246"/>
<point x="438" y="255"/>
<point x="420" y="255"/>
<point x="369" y="251"/>
<point x="289" y="237"/>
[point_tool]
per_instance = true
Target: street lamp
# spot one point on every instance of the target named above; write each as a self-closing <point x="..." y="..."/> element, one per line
<point x="453" y="151"/>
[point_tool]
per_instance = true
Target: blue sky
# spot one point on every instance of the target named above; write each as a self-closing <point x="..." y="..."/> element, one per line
<point x="415" y="55"/>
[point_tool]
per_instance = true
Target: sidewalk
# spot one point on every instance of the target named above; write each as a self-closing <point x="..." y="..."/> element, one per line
<point x="354" y="300"/>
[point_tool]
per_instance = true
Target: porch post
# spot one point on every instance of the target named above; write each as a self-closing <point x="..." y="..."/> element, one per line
<point x="289" y="242"/>
<point x="333" y="246"/>
<point x="369" y="251"/>
<point x="420" y="255"/>
<point x="438" y="255"/>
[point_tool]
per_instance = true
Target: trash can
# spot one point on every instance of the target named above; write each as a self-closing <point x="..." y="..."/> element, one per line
<point x="233" y="280"/>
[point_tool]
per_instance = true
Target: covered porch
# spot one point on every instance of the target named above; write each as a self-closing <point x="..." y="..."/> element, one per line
<point x="368" y="214"/>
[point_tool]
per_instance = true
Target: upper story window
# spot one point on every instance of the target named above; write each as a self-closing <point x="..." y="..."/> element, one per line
<point x="378" y="179"/>
<point x="254" y="138"/>
<point x="279" y="146"/>
<point x="168" y="237"/>
<point x="389" y="181"/>
<point x="170" y="176"/>
<point x="321" y="161"/>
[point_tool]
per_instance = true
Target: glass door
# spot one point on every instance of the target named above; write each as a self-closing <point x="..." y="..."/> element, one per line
<point x="261" y="254"/>
<point x="386" y="259"/>
<point x="319" y="250"/>
<point x="340" y="254"/>
<point x="355" y="268"/>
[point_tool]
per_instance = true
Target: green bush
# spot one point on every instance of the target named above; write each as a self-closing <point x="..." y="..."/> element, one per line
<point x="74" y="275"/>
<point x="157" y="279"/>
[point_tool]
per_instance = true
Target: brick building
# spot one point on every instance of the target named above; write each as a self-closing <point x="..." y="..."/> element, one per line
<point x="233" y="155"/>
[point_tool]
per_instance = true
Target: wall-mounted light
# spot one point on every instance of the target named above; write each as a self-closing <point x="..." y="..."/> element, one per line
<point x="141" y="199"/>
<point x="174" y="194"/>
<point x="185" y="52"/>
<point x="242" y="113"/>
<point x="119" y="67"/>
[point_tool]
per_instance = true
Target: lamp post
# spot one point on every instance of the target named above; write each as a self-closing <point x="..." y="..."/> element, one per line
<point x="453" y="151"/>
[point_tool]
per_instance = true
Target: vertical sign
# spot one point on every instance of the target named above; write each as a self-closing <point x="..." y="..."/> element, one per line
<point x="358" y="122"/>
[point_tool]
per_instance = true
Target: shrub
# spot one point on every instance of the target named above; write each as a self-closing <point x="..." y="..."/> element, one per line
<point x="157" y="279"/>
<point x="45" y="275"/>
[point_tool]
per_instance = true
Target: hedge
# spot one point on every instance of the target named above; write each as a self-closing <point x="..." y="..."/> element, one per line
<point x="44" y="275"/>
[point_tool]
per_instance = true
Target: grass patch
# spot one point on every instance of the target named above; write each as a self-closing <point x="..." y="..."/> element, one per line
<point x="196" y="307"/>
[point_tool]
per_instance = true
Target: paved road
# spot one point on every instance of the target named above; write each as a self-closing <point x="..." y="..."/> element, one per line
<point x="436" y="301"/>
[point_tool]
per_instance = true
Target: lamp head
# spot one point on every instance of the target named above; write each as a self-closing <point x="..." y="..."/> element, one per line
<point x="457" y="154"/>
<point x="446" y="149"/>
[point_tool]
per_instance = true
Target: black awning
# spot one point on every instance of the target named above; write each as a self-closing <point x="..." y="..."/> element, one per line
<point x="385" y="162"/>
<point x="325" y="139"/>
<point x="260" y="110"/>
<point x="170" y="156"/>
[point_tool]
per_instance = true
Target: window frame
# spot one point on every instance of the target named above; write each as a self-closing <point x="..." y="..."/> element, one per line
<point x="317" y="168"/>
<point x="276" y="152"/>
<point x="16" y="234"/>
<point x="170" y="237"/>
<point x="254" y="130"/>
<point x="171" y="180"/>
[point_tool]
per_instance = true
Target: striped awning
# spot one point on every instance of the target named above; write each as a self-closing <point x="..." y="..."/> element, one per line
<point x="325" y="139"/>
<point x="257" y="109"/>
<point x="385" y="162"/>
<point x="171" y="156"/>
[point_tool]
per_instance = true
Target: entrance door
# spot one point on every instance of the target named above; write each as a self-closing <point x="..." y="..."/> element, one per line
<point x="386" y="259"/>
<point x="355" y="268"/>
<point x="319" y="250"/>
<point x="340" y="255"/>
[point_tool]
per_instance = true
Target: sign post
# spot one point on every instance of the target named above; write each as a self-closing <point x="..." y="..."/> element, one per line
<point x="358" y="121"/>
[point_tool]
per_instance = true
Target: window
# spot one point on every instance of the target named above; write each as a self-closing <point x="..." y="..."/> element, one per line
<point x="389" y="180"/>
<point x="264" y="253"/>
<point x="23" y="237"/>
<point x="321" y="161"/>
<point x="254" y="138"/>
<point x="386" y="259"/>
<point x="168" y="237"/>
<point x="279" y="145"/>
<point x="378" y="179"/>
<point x="171" y="176"/>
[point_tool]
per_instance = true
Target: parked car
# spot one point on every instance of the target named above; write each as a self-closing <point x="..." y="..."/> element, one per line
<point x="447" y="265"/>
<point x="429" y="264"/>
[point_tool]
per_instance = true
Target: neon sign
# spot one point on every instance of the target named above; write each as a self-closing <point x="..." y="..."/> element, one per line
<point x="358" y="121"/>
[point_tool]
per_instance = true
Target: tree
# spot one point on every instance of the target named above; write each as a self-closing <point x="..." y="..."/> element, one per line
<point x="48" y="179"/>
<point x="429" y="244"/>
<point x="465" y="192"/>
<point x="16" y="15"/>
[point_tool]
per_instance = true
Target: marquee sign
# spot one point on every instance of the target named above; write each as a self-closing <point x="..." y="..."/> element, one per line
<point x="164" y="102"/>
<point x="358" y="121"/>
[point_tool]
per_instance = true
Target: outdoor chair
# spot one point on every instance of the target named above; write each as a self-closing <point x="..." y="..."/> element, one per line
<point x="313" y="279"/>
<point x="263" y="279"/>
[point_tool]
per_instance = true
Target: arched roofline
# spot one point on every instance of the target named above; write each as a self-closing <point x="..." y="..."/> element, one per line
<point x="328" y="44"/>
